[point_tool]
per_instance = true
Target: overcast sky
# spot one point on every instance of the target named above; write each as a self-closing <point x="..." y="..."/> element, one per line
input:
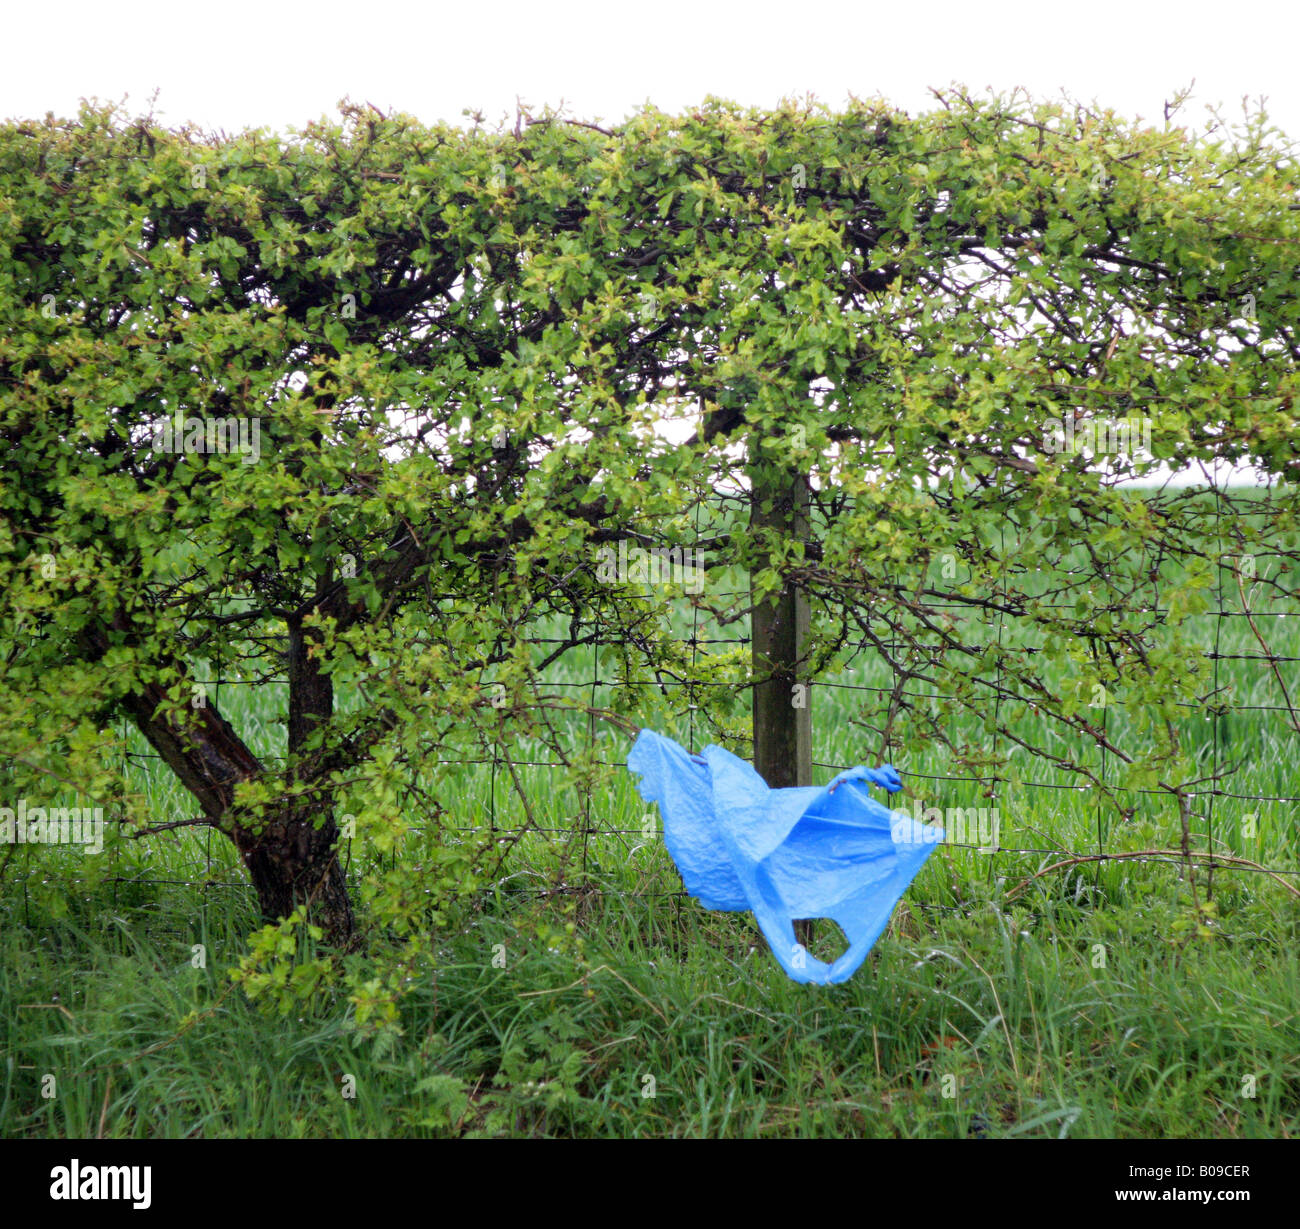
<point x="235" y="65"/>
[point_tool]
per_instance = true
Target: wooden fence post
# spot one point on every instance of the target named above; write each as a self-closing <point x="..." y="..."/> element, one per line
<point x="782" y="693"/>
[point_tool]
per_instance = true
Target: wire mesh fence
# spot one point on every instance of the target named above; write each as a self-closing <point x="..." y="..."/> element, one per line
<point x="1230" y="818"/>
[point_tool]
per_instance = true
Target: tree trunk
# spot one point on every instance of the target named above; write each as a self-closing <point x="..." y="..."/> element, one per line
<point x="290" y="855"/>
<point x="295" y="863"/>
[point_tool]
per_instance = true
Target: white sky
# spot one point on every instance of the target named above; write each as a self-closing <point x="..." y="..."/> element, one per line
<point x="240" y="64"/>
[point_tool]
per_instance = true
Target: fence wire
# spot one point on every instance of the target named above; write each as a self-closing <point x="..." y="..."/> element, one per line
<point x="594" y="821"/>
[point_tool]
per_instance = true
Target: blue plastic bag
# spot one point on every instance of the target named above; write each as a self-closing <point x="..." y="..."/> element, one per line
<point x="822" y="851"/>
